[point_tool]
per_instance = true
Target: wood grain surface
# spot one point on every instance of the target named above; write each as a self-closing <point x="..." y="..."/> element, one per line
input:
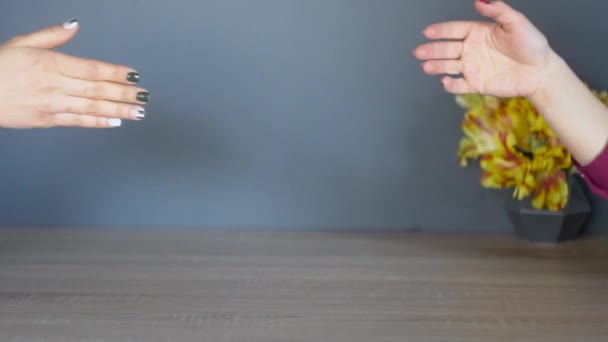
<point x="61" y="285"/>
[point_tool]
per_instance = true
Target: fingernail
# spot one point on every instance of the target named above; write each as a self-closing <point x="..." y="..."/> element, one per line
<point x="70" y="24"/>
<point x="133" y="77"/>
<point x="143" y="96"/>
<point x="487" y="2"/>
<point x="138" y="113"/>
<point x="114" y="122"/>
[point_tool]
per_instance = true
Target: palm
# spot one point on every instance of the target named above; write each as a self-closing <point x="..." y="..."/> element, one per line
<point x="504" y="58"/>
<point x="502" y="63"/>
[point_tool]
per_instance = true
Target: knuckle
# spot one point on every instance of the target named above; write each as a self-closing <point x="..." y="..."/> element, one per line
<point x="117" y="73"/>
<point x="92" y="106"/>
<point x="46" y="103"/>
<point x="93" y="72"/>
<point x="457" y="47"/>
<point x="47" y="121"/>
<point x="70" y="109"/>
<point x="88" y="91"/>
<point x="46" y="64"/>
<point x="126" y="94"/>
<point x="82" y="121"/>
<point x="50" y="105"/>
<point x="94" y="91"/>
<point x="121" y="111"/>
<point x="455" y="68"/>
<point x="47" y="87"/>
<point x="100" y="122"/>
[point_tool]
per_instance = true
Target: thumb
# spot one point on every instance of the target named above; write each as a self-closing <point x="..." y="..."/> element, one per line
<point x="500" y="12"/>
<point x="48" y="38"/>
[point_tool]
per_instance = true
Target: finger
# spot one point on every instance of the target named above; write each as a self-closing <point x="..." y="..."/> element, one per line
<point x="448" y="30"/>
<point x="49" y="38"/>
<point x="435" y="67"/>
<point x="92" y="70"/>
<point x="500" y="12"/>
<point x="99" y="108"/>
<point x="439" y="50"/>
<point x="456" y="85"/>
<point x="102" y="90"/>
<point x="85" y="121"/>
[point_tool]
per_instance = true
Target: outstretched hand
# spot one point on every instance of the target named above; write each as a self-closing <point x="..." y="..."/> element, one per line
<point x="506" y="57"/>
<point x="40" y="87"/>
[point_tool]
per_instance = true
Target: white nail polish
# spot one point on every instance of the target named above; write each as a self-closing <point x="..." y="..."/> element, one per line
<point x="114" y="122"/>
<point x="138" y="113"/>
<point x="70" y="24"/>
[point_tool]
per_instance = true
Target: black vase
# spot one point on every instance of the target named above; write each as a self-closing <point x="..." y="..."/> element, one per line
<point x="543" y="226"/>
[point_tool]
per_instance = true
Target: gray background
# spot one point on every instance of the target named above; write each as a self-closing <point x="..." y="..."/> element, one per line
<point x="282" y="114"/>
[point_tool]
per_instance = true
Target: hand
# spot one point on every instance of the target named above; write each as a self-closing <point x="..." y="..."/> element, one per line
<point x="42" y="88"/>
<point x="506" y="58"/>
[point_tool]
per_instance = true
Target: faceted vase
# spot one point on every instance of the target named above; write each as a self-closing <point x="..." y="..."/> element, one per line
<point x="543" y="226"/>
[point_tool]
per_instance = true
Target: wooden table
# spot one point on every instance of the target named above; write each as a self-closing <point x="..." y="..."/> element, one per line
<point x="172" y="286"/>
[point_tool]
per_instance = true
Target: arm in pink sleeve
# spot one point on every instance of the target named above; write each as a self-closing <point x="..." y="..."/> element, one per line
<point x="596" y="173"/>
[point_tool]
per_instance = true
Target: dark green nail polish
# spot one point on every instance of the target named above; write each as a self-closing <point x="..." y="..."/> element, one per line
<point x="133" y="77"/>
<point x="143" y="96"/>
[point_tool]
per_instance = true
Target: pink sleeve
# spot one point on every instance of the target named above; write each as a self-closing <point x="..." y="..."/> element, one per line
<point x="596" y="173"/>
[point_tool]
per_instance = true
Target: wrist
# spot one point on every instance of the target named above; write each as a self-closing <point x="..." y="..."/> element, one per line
<point x="577" y="117"/>
<point x="552" y="77"/>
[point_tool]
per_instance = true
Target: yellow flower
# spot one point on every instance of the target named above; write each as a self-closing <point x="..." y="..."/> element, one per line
<point x="550" y="163"/>
<point x="552" y="191"/>
<point x="470" y="101"/>
<point x="467" y="150"/>
<point x="516" y="149"/>
<point x="505" y="167"/>
<point x="478" y="127"/>
<point x="602" y="96"/>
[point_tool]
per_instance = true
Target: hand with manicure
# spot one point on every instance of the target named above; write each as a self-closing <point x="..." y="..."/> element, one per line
<point x="506" y="57"/>
<point x="41" y="88"/>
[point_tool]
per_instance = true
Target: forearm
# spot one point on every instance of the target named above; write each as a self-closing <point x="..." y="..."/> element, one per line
<point x="576" y="116"/>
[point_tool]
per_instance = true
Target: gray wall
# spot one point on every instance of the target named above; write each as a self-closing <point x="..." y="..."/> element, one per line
<point x="278" y="114"/>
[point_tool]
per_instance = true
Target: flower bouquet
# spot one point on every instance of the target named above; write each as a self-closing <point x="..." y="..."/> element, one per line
<point x="517" y="149"/>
